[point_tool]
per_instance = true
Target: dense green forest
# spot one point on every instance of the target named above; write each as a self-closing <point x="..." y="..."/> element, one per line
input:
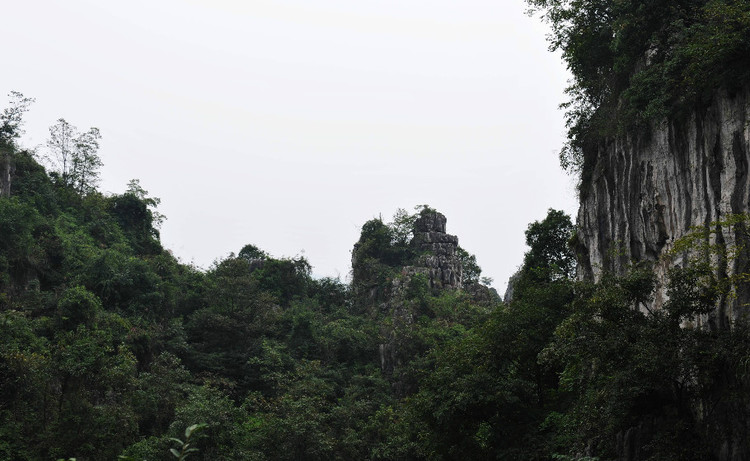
<point x="110" y="347"/>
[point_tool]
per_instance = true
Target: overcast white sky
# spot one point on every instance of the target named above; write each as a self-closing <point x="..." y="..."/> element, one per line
<point x="289" y="123"/>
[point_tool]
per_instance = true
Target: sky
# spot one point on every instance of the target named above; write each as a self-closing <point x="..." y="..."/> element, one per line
<point x="290" y="123"/>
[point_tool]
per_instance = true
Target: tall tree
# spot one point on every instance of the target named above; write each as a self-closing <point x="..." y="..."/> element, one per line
<point x="75" y="155"/>
<point x="549" y="257"/>
<point x="11" y="118"/>
<point x="86" y="161"/>
<point x="62" y="145"/>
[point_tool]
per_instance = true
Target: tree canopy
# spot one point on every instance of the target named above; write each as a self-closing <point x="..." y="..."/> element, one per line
<point x="638" y="62"/>
<point x="111" y="347"/>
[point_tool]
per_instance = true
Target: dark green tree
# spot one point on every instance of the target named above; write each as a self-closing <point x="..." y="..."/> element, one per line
<point x="549" y="257"/>
<point x="486" y="395"/>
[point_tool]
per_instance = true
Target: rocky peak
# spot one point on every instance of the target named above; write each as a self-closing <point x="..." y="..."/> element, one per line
<point x="430" y="221"/>
<point x="381" y="264"/>
<point x="385" y="271"/>
<point x="437" y="251"/>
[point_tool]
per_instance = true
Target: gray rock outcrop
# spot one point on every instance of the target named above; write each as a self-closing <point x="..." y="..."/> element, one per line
<point x="434" y="262"/>
<point x="6" y="171"/>
<point x="508" y="296"/>
<point x="437" y="252"/>
<point x="647" y="191"/>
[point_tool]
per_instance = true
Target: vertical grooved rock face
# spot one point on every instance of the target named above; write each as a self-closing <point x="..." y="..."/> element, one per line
<point x="6" y="170"/>
<point x="437" y="251"/>
<point x="646" y="191"/>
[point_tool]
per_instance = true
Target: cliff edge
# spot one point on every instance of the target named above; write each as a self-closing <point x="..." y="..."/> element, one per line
<point x="647" y="190"/>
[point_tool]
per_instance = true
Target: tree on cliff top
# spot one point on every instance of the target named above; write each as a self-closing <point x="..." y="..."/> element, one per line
<point x="11" y="118"/>
<point x="635" y="61"/>
<point x="75" y="155"/>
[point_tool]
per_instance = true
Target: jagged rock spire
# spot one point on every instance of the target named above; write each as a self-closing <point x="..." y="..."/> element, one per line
<point x="437" y="251"/>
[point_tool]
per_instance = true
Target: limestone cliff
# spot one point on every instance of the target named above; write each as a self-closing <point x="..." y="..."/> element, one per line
<point x="6" y="171"/>
<point x="647" y="190"/>
<point x="385" y="277"/>
<point x="437" y="252"/>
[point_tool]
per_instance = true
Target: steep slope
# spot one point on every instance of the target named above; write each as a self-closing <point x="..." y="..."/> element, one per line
<point x="647" y="190"/>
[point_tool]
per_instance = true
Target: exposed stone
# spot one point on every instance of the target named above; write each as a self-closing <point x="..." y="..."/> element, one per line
<point x="511" y="288"/>
<point x="437" y="250"/>
<point x="482" y="294"/>
<point x="647" y="191"/>
<point x="6" y="171"/>
<point x="437" y="262"/>
<point x="430" y="221"/>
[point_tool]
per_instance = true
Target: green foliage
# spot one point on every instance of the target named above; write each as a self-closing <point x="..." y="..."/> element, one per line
<point x="123" y="282"/>
<point x="714" y="270"/>
<point x="486" y="395"/>
<point x="31" y="184"/>
<point x="77" y="306"/>
<point x="286" y="279"/>
<point x="647" y="369"/>
<point x="295" y="425"/>
<point x="137" y="222"/>
<point x="11" y="119"/>
<point x="221" y="417"/>
<point x="145" y="449"/>
<point x="635" y="62"/>
<point x="470" y="269"/>
<point x="134" y="188"/>
<point x="386" y="245"/>
<point x="376" y="243"/>
<point x="75" y="156"/>
<point x="157" y="392"/>
<point x="549" y="257"/>
<point x="185" y="448"/>
<point x="402" y="227"/>
<point x="19" y="223"/>
<point x="482" y="393"/>
<point x="348" y="340"/>
<point x="384" y="249"/>
<point x="251" y="252"/>
<point x="109" y="345"/>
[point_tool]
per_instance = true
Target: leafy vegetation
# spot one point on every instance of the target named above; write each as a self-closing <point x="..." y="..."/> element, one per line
<point x="109" y="346"/>
<point x="636" y="62"/>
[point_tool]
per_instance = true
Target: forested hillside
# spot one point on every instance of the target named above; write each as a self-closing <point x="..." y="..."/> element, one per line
<point x="111" y="348"/>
